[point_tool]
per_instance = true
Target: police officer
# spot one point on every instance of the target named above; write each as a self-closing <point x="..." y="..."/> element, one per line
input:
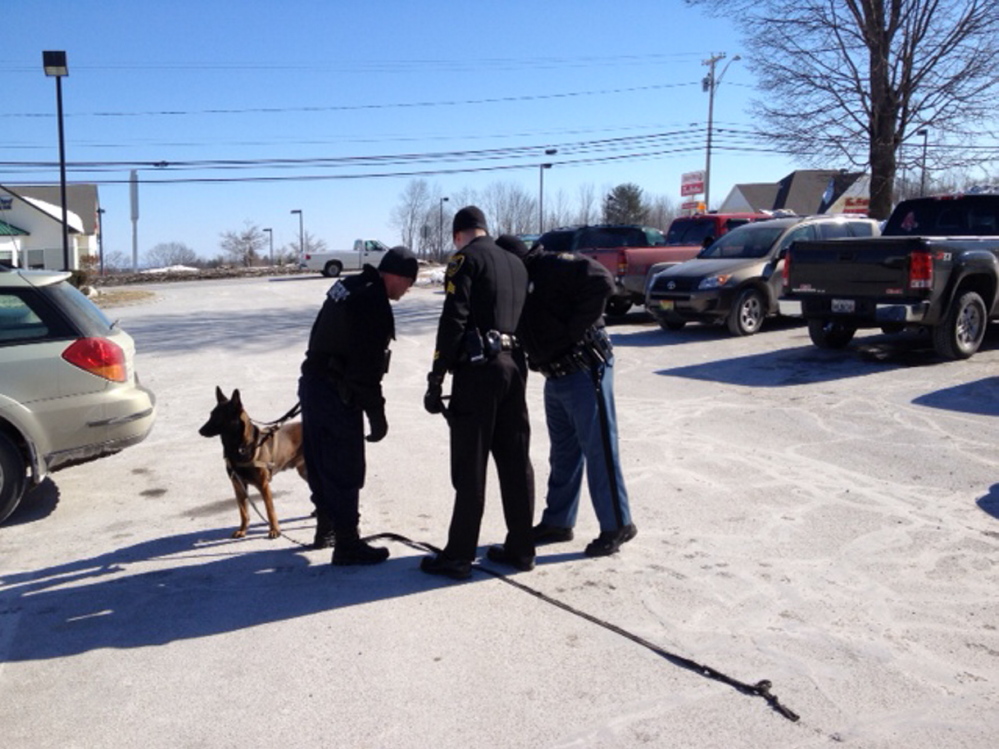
<point x="340" y="383"/>
<point x="562" y="331"/>
<point x="485" y="288"/>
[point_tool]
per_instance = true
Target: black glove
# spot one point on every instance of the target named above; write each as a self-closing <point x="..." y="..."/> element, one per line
<point x="433" y="401"/>
<point x="379" y="426"/>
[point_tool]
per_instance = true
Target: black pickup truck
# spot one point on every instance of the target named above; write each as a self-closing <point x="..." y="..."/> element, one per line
<point x="935" y="266"/>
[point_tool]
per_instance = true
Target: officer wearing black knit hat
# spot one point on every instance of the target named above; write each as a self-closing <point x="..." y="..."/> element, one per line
<point x="485" y="288"/>
<point x="341" y="383"/>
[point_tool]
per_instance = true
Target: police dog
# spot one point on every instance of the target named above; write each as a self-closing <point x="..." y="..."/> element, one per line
<point x="253" y="455"/>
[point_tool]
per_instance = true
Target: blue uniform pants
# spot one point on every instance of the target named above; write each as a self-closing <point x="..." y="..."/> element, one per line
<point x="333" y="444"/>
<point x="580" y="439"/>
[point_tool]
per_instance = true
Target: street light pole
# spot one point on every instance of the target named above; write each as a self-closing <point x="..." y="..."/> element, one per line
<point x="541" y="190"/>
<point x="100" y="237"/>
<point x="922" y="183"/>
<point x="270" y="232"/>
<point x="301" y="236"/>
<point x="54" y="64"/>
<point x="710" y="84"/>
<point x="440" y="230"/>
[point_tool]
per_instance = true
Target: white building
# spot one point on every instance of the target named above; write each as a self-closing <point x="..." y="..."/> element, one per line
<point x="31" y="225"/>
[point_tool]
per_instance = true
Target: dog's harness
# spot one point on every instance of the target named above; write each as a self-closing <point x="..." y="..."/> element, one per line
<point x="246" y="454"/>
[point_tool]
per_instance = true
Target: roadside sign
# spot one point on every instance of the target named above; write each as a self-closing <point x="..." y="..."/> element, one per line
<point x="691" y="183"/>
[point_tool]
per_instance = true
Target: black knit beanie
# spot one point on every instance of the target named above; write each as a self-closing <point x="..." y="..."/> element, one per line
<point x="399" y="261"/>
<point x="469" y="217"/>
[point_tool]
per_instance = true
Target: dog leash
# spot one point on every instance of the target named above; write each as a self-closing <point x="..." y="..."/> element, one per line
<point x="759" y="689"/>
<point x="292" y="413"/>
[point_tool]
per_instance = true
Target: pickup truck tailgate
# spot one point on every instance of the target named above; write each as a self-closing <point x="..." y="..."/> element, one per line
<point x="877" y="267"/>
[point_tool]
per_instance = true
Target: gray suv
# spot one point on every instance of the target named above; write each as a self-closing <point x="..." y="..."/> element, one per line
<point x="737" y="279"/>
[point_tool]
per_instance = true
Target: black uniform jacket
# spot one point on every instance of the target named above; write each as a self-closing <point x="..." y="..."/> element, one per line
<point x="484" y="287"/>
<point x="566" y="296"/>
<point x="350" y="338"/>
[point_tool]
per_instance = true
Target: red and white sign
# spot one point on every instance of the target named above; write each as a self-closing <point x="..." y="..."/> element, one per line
<point x="691" y="183"/>
<point x="692" y="205"/>
<point x="856" y="205"/>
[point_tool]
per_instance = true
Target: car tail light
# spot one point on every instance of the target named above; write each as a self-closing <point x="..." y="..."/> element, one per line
<point x="622" y="263"/>
<point x="100" y="357"/>
<point x="920" y="270"/>
<point x="786" y="272"/>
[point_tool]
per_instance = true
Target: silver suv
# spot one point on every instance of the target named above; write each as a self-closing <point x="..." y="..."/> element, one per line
<point x="737" y="279"/>
<point x="68" y="388"/>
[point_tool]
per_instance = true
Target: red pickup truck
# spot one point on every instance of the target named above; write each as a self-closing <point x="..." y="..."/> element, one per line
<point x="628" y="251"/>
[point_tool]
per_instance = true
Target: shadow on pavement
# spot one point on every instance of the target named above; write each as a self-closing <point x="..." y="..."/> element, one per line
<point x="205" y="585"/>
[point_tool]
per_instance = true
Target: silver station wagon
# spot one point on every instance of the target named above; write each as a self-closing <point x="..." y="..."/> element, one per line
<point x="68" y="388"/>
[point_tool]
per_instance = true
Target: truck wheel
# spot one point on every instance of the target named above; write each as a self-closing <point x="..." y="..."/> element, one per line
<point x="960" y="333"/>
<point x="672" y="324"/>
<point x="618" y="305"/>
<point x="12" y="477"/>
<point x="747" y="314"/>
<point x="332" y="269"/>
<point x="830" y="334"/>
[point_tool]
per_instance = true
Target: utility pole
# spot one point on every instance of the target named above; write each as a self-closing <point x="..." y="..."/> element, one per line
<point x="710" y="84"/>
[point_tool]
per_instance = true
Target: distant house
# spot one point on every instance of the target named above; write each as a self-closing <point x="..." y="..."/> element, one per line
<point x="805" y="192"/>
<point x="31" y="225"/>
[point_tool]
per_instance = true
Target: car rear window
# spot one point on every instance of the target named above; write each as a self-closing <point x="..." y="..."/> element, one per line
<point x="81" y="310"/>
<point x="690" y="230"/>
<point x="968" y="216"/>
<point x="611" y="236"/>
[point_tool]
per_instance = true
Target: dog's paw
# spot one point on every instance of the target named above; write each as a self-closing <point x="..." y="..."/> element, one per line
<point x="239" y="533"/>
<point x="273" y="533"/>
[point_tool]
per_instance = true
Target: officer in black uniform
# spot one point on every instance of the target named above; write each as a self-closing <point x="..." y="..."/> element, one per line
<point x="485" y="287"/>
<point x="341" y="382"/>
<point x="562" y="332"/>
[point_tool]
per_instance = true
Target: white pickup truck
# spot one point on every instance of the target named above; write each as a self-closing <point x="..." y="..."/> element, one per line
<point x="332" y="262"/>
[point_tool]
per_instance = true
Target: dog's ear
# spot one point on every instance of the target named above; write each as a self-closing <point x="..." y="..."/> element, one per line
<point x="235" y="398"/>
<point x="218" y="394"/>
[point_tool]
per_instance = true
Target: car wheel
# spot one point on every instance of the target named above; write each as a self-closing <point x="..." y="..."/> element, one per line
<point x="747" y="315"/>
<point x="12" y="477"/>
<point x="617" y="305"/>
<point x="830" y="334"/>
<point x="960" y="333"/>
<point x="332" y="269"/>
<point x="674" y="324"/>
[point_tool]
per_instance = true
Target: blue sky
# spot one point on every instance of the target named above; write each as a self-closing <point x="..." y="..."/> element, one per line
<point x="306" y="80"/>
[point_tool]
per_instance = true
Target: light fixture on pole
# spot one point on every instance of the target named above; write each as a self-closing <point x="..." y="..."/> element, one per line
<point x="922" y="182"/>
<point x="541" y="189"/>
<point x="711" y="84"/>
<point x="54" y="64"/>
<point x="270" y="233"/>
<point x="301" y="236"/>
<point x="440" y="229"/>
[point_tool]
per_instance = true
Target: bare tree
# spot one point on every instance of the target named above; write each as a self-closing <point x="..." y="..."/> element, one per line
<point x="662" y="211"/>
<point x="509" y="208"/>
<point x="243" y="247"/>
<point x="857" y="79"/>
<point x="410" y="215"/>
<point x="587" y="210"/>
<point x="171" y="253"/>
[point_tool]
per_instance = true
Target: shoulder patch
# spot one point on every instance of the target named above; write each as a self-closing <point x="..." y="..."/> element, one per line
<point x="457" y="259"/>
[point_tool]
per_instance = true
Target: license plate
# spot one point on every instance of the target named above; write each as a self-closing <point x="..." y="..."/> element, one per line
<point x="666" y="304"/>
<point x="844" y="306"/>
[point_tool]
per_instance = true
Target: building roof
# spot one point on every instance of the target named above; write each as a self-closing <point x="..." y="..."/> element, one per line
<point x="7" y="230"/>
<point x="80" y="199"/>
<point x="805" y="191"/>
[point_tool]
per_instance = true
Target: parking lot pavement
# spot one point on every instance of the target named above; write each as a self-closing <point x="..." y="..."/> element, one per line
<point x="825" y="520"/>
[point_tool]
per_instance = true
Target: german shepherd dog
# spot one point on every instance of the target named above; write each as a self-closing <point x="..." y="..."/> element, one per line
<point x="252" y="455"/>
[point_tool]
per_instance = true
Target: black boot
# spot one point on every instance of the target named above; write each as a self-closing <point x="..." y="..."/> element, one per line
<point x="324" y="531"/>
<point x="348" y="549"/>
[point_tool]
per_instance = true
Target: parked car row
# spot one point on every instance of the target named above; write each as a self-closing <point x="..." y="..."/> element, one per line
<point x="68" y="388"/>
<point x="736" y="279"/>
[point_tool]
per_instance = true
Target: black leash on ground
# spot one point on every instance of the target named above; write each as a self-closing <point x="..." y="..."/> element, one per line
<point x="760" y="689"/>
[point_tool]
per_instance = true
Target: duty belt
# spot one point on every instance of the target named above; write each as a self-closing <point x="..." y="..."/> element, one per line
<point x="508" y="342"/>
